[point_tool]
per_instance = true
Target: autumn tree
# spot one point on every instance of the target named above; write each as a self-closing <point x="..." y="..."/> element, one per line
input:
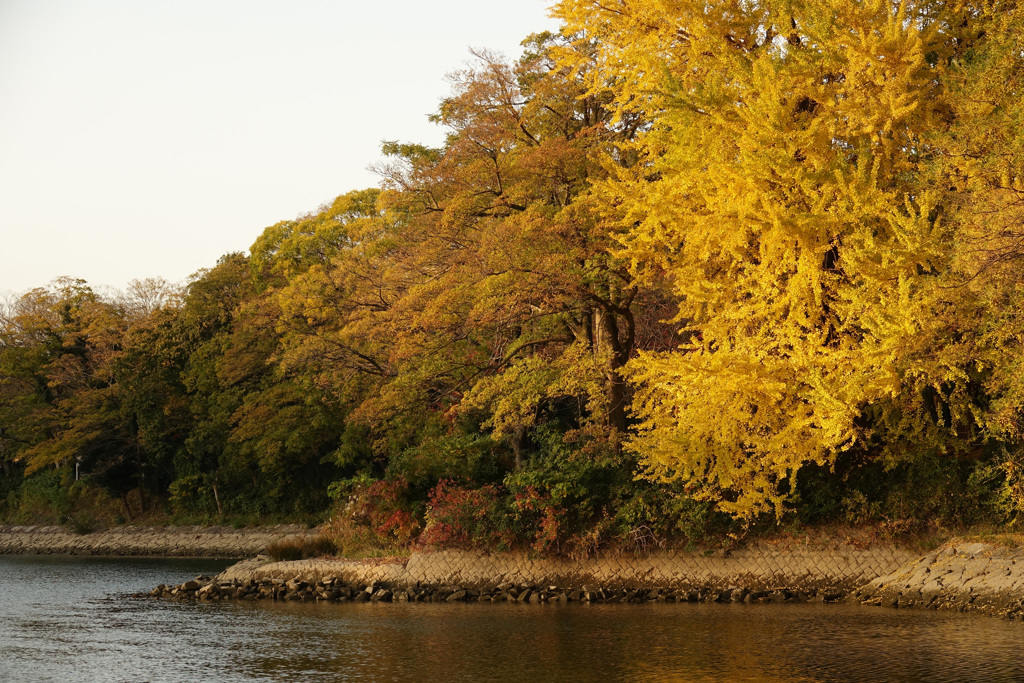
<point x="514" y="297"/>
<point x="786" y="191"/>
<point x="980" y="162"/>
<point x="73" y="398"/>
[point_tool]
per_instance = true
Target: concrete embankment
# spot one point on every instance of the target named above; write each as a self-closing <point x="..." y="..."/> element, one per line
<point x="169" y="541"/>
<point x="759" y="573"/>
<point x="960" y="576"/>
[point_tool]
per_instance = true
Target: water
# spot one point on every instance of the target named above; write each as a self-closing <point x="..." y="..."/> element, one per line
<point x="69" y="620"/>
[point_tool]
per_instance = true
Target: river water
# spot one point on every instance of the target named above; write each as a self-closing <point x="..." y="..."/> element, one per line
<point x="70" y="619"/>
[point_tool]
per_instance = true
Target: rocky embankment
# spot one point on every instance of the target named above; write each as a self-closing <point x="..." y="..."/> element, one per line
<point x="964" y="577"/>
<point x="205" y="588"/>
<point x="169" y="541"/>
<point x="759" y="573"/>
<point x="960" y="576"/>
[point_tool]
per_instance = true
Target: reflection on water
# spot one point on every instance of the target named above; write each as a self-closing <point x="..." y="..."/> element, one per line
<point x="67" y="620"/>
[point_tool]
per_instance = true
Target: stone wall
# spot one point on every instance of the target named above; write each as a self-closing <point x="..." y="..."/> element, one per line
<point x="840" y="568"/>
<point x="171" y="541"/>
<point x="976" y="577"/>
<point x="961" y="576"/>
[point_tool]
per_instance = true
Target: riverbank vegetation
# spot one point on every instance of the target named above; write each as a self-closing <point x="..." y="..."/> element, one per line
<point x="683" y="268"/>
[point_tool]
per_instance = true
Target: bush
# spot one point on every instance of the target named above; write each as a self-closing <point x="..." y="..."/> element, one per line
<point x="50" y="498"/>
<point x="192" y="495"/>
<point x="376" y="516"/>
<point x="568" y="494"/>
<point x="926" y="488"/>
<point x="41" y="499"/>
<point x="459" y="516"/>
<point x="81" y="523"/>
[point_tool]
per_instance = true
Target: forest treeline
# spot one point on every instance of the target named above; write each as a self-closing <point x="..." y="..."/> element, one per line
<point x="683" y="267"/>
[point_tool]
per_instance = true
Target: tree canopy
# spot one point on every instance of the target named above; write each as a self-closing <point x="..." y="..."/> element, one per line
<point x="680" y="259"/>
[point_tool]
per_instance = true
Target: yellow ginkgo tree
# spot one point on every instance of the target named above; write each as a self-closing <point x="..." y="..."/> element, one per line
<point x="788" y="193"/>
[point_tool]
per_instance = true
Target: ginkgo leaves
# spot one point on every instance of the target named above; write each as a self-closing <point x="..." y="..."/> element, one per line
<point x="787" y="193"/>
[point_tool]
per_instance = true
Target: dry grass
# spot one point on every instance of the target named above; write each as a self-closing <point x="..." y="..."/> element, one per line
<point x="301" y="548"/>
<point x="1000" y="536"/>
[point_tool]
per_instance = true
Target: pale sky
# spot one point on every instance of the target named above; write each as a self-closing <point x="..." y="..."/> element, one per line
<point x="145" y="138"/>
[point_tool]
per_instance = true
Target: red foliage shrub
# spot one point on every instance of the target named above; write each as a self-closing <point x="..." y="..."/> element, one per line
<point x="376" y="515"/>
<point x="463" y="517"/>
<point x="547" y="518"/>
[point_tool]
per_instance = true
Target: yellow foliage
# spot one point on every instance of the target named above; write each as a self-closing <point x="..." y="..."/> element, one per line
<point x="785" y="194"/>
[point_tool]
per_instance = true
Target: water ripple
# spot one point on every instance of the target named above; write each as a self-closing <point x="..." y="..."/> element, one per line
<point x="72" y="620"/>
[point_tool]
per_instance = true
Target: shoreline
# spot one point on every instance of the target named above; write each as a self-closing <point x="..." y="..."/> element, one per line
<point x="835" y="568"/>
<point x="144" y="541"/>
<point x="959" y="576"/>
<point x="759" y="573"/>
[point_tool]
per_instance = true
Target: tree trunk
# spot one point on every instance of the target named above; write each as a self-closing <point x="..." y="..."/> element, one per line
<point x="216" y="499"/>
<point x="618" y="354"/>
<point x="616" y="405"/>
<point x="518" y="441"/>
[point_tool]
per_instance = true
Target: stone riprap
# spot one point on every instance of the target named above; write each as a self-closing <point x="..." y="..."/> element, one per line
<point x="169" y="541"/>
<point x="975" y="577"/>
<point x="759" y="569"/>
<point x="334" y="589"/>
